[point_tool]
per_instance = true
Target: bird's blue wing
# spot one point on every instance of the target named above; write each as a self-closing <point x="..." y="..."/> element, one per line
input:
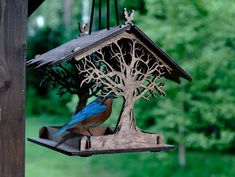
<point x="90" y="110"/>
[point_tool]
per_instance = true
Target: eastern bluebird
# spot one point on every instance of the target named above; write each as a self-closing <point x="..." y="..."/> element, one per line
<point x="93" y="115"/>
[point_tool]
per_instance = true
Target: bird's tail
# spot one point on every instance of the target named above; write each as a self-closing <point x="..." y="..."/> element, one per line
<point x="60" y="131"/>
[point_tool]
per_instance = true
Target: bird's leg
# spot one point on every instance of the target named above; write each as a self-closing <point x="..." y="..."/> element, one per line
<point x="88" y="146"/>
<point x="89" y="132"/>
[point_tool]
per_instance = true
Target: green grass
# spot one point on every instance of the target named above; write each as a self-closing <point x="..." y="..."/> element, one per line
<point x="42" y="162"/>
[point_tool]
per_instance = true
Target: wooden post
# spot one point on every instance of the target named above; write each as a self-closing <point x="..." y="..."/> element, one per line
<point x="13" y="27"/>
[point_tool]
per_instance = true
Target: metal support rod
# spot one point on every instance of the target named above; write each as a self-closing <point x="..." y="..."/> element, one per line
<point x="116" y="10"/>
<point x="92" y="15"/>
<point x="108" y="16"/>
<point x="100" y="14"/>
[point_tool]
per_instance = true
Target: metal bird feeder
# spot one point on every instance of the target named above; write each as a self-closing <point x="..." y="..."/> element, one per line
<point x="122" y="60"/>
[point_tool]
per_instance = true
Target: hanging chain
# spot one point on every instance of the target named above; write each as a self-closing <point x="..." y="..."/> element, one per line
<point x="92" y="15"/>
<point x="100" y="14"/>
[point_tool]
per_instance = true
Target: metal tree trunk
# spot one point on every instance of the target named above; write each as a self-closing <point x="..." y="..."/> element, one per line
<point x="127" y="120"/>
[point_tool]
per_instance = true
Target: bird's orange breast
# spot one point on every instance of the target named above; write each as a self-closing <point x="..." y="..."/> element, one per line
<point x="99" y="118"/>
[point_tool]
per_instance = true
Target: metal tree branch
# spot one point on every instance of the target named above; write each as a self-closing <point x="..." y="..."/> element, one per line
<point x="141" y="75"/>
<point x="53" y="76"/>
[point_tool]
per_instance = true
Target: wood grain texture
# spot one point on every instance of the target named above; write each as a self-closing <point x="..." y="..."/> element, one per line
<point x="13" y="26"/>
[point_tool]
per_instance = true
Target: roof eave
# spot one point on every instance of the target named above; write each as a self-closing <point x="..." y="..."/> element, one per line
<point x="163" y="55"/>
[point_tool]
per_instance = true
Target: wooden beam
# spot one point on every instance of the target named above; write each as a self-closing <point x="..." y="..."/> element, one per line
<point x="33" y="5"/>
<point x="13" y="27"/>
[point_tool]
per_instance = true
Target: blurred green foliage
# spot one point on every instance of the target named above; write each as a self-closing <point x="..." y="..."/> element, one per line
<point x="198" y="34"/>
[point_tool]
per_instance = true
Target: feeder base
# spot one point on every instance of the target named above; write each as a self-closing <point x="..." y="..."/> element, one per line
<point x="103" y="141"/>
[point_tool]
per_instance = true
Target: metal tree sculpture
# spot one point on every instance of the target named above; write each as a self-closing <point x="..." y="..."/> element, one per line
<point x="127" y="69"/>
<point x="64" y="78"/>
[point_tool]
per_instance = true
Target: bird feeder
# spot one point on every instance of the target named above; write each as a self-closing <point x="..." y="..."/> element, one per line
<point x="122" y="60"/>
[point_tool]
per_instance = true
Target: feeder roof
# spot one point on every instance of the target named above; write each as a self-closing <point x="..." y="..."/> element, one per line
<point x="82" y="45"/>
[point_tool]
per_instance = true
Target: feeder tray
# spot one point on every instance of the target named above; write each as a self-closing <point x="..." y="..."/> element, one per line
<point x="102" y="141"/>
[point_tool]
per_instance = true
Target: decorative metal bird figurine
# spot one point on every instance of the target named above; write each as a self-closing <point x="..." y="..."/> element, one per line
<point x="93" y="115"/>
<point x="128" y="16"/>
<point x="83" y="29"/>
